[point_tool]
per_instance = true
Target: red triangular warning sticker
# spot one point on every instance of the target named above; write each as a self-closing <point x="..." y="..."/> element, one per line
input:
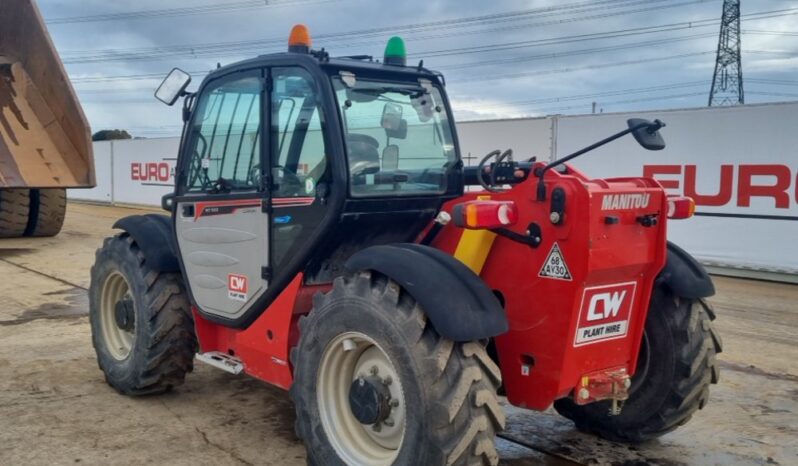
<point x="555" y="266"/>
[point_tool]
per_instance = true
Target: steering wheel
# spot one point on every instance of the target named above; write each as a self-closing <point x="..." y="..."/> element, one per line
<point x="288" y="179"/>
<point x="481" y="171"/>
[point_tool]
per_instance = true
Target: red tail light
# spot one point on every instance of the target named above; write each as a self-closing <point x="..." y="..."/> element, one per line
<point x="680" y="207"/>
<point x="476" y="215"/>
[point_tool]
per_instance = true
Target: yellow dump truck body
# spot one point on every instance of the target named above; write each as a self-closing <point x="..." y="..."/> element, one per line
<point x="45" y="140"/>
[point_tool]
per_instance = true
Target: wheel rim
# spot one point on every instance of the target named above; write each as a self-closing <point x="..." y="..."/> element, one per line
<point x="118" y="340"/>
<point x="349" y="358"/>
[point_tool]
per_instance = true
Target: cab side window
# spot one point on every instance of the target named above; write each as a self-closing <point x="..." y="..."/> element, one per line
<point x="225" y="137"/>
<point x="299" y="159"/>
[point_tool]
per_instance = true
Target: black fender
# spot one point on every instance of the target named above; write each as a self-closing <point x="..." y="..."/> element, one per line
<point x="155" y="237"/>
<point x="684" y="276"/>
<point x="459" y="304"/>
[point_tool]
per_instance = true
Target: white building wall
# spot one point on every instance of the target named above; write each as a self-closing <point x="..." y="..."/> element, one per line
<point x="745" y="162"/>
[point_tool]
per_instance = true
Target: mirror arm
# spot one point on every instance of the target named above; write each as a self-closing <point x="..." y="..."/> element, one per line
<point x="541" y="189"/>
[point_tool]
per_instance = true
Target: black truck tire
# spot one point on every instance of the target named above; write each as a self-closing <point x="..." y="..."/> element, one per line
<point x="14" y="212"/>
<point x="47" y="212"/>
<point x="141" y="322"/>
<point x="674" y="372"/>
<point x="449" y="389"/>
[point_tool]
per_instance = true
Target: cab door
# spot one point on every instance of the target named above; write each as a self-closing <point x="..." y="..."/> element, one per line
<point x="221" y="222"/>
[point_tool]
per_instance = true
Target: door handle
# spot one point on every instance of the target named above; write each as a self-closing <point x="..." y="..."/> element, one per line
<point x="188" y="210"/>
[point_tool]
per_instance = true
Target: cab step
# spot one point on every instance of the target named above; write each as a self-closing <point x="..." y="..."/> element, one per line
<point x="222" y="361"/>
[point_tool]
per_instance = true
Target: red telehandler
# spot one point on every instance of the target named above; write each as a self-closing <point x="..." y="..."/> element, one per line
<point x="322" y="239"/>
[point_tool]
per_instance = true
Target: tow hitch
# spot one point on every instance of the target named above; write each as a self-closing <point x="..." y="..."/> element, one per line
<point x="605" y="385"/>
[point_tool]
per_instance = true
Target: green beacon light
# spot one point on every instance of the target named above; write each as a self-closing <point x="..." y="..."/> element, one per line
<point x="395" y="53"/>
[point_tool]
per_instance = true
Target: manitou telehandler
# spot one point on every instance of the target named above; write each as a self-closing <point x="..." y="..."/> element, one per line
<point x="322" y="239"/>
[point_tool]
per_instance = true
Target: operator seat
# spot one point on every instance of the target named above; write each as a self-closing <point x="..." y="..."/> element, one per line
<point x="364" y="156"/>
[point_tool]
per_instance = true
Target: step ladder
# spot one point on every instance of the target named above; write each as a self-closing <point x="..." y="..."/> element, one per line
<point x="222" y="361"/>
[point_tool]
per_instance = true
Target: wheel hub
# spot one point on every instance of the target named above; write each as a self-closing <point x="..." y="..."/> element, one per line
<point x="124" y="315"/>
<point x="361" y="401"/>
<point x="369" y="400"/>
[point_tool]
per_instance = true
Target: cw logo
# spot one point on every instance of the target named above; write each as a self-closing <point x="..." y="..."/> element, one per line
<point x="611" y="305"/>
<point x="237" y="283"/>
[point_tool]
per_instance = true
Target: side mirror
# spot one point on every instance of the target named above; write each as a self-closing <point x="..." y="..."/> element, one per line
<point x="646" y="133"/>
<point x="391" y="117"/>
<point x="173" y="86"/>
<point x="168" y="202"/>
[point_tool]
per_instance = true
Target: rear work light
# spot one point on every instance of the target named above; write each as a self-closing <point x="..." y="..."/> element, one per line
<point x="680" y="207"/>
<point x="478" y="215"/>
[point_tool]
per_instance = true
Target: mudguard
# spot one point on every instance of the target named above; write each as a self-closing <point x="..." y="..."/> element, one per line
<point x="459" y="304"/>
<point x="685" y="276"/>
<point x="153" y="233"/>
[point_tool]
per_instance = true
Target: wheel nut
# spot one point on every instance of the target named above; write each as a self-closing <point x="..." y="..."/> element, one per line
<point x="376" y="427"/>
<point x="394" y="403"/>
<point x="387" y="380"/>
<point x="584" y="393"/>
<point x="374" y="370"/>
<point x="388" y="422"/>
<point x="349" y="344"/>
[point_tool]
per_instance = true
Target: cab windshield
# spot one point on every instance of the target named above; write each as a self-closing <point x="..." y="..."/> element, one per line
<point x="398" y="136"/>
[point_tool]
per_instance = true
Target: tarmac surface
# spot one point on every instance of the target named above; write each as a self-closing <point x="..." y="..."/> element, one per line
<point x="55" y="407"/>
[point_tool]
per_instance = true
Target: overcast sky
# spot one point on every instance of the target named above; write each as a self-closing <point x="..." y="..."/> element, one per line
<point x="501" y="58"/>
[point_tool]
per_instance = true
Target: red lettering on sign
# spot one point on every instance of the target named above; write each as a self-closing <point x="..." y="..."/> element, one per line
<point x="724" y="191"/>
<point x="746" y="190"/>
<point x="651" y="171"/>
<point x="150" y="171"/>
<point x="747" y="187"/>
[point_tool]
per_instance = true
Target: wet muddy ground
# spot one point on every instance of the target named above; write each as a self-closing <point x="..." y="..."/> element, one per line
<point x="55" y="407"/>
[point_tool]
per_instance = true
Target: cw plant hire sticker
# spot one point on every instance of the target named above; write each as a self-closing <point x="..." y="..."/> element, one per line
<point x="555" y="266"/>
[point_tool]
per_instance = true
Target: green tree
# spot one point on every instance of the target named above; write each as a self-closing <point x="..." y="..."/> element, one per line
<point x="109" y="134"/>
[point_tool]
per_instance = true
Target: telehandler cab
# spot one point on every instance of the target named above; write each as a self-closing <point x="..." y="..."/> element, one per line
<point x="321" y="239"/>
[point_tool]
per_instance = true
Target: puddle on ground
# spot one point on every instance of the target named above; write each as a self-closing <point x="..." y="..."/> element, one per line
<point x="753" y="370"/>
<point x="7" y="253"/>
<point x="76" y="305"/>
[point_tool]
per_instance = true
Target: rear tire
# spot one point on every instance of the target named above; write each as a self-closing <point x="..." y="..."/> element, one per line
<point x="14" y="212"/>
<point x="151" y="347"/>
<point x="452" y="413"/>
<point x="675" y="369"/>
<point x="47" y="212"/>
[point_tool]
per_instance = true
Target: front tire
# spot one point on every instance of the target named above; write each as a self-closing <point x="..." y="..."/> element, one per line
<point x="440" y="403"/>
<point x="674" y="372"/>
<point x="142" y="328"/>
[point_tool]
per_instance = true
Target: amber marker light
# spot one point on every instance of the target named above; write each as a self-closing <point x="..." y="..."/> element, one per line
<point x="299" y="40"/>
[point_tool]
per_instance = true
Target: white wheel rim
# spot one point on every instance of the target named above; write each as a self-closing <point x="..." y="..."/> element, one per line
<point x="347" y="357"/>
<point x="118" y="341"/>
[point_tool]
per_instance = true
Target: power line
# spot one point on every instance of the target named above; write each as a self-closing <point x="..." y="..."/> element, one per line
<point x="777" y="82"/>
<point x="618" y="92"/>
<point x="469" y="65"/>
<point x="582" y="68"/>
<point x="184" y="11"/>
<point x="237" y="47"/>
<point x="633" y="45"/>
